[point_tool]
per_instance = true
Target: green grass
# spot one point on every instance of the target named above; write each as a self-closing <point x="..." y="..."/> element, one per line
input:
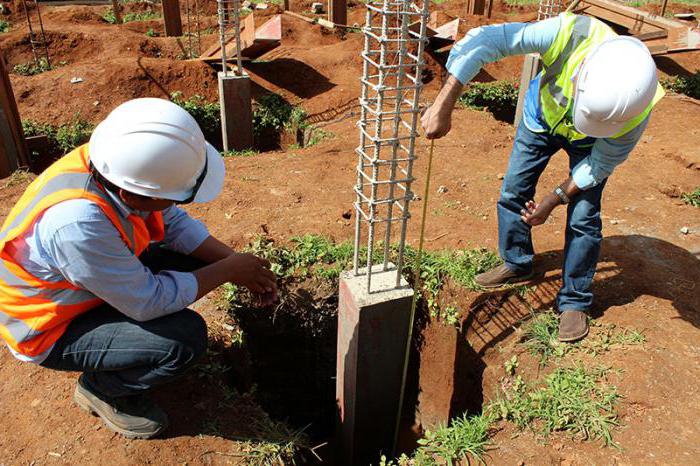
<point x="18" y="177"/>
<point x="4" y="26"/>
<point x="688" y="85"/>
<point x="130" y="17"/>
<point x="498" y="97"/>
<point x="540" y="338"/>
<point x="317" y="256"/>
<point x="32" y="68"/>
<point x="63" y="138"/>
<point x="574" y="400"/>
<point x="521" y="2"/>
<point x="240" y="153"/>
<point x="692" y="198"/>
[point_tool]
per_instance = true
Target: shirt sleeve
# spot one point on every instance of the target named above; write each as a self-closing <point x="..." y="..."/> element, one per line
<point x="607" y="153"/>
<point x="90" y="254"/>
<point x="487" y="44"/>
<point x="183" y="234"/>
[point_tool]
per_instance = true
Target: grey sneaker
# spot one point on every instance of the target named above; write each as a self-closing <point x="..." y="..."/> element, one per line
<point x="573" y="326"/>
<point x="499" y="276"/>
<point x="135" y="417"/>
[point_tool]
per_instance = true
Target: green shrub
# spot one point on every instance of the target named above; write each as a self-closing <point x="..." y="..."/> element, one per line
<point x="688" y="85"/>
<point x="498" y="97"/>
<point x="63" y="138"/>
<point x="692" y="198"/>
<point x="271" y="112"/>
<point x="207" y="114"/>
<point x="130" y="17"/>
<point x="4" y="26"/>
<point x="32" y="68"/>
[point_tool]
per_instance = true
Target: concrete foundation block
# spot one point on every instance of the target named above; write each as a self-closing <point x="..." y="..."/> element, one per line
<point x="372" y="333"/>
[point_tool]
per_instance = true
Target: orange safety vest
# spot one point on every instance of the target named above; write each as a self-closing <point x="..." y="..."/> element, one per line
<point x="34" y="313"/>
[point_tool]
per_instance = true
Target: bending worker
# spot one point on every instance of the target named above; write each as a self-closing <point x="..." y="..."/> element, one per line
<point x="592" y="99"/>
<point x="75" y="291"/>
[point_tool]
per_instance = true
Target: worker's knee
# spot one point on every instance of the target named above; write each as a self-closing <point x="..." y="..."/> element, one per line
<point x="188" y="341"/>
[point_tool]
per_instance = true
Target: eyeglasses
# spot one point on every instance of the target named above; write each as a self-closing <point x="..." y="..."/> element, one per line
<point x="197" y="185"/>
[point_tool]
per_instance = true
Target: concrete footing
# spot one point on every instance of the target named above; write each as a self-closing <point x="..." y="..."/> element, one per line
<point x="372" y="333"/>
<point x="236" y="112"/>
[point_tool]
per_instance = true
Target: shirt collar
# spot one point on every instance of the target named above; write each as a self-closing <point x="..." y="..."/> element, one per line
<point x="124" y="210"/>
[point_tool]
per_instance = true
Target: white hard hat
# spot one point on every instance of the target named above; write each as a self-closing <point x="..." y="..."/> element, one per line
<point x="155" y="148"/>
<point x="616" y="82"/>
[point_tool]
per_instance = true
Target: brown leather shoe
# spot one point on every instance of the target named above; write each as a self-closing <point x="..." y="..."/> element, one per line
<point x="573" y="326"/>
<point x="499" y="276"/>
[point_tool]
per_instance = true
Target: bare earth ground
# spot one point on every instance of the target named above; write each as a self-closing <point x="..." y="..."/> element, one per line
<point x="648" y="276"/>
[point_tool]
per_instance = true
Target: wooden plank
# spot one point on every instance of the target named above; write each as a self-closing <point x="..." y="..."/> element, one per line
<point x="531" y="66"/>
<point x="652" y="35"/>
<point x="13" y="151"/>
<point x="171" y="18"/>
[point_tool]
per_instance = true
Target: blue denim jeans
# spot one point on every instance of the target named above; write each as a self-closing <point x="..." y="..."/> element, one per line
<point x="531" y="154"/>
<point x="120" y="356"/>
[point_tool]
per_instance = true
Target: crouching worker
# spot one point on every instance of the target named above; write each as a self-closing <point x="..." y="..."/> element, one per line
<point x="98" y="266"/>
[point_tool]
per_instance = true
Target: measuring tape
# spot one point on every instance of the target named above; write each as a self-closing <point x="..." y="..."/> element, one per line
<point x="416" y="292"/>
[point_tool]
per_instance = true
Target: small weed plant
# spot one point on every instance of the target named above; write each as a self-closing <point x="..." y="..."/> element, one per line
<point x="692" y="198"/>
<point x="240" y="153"/>
<point x="32" y="68"/>
<point x="575" y="400"/>
<point x="4" y="26"/>
<point x="688" y="85"/>
<point x="498" y="97"/>
<point x="18" y="177"/>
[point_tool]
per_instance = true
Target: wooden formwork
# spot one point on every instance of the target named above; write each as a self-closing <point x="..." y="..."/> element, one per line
<point x="661" y="35"/>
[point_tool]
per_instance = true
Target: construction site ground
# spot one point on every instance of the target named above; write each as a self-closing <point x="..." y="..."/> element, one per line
<point x="648" y="275"/>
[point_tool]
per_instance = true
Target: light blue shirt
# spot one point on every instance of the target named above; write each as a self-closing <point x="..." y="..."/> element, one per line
<point x="75" y="241"/>
<point x="488" y="44"/>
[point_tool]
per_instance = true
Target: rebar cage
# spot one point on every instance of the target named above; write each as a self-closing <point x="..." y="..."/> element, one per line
<point x="229" y="14"/>
<point x="395" y="37"/>
<point x="548" y="9"/>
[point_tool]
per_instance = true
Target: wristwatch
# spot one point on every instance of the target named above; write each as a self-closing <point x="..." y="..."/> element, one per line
<point x="562" y="195"/>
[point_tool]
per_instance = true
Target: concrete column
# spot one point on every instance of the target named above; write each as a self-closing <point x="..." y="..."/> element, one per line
<point x="531" y="66"/>
<point x="236" y="112"/>
<point x="171" y="18"/>
<point x="372" y="332"/>
<point x="338" y="11"/>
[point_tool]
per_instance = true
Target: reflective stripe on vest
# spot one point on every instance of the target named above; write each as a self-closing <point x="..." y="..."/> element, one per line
<point x="33" y="312"/>
<point x="577" y="37"/>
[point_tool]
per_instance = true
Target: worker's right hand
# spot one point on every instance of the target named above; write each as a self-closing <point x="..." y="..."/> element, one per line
<point x="436" y="122"/>
<point x="253" y="273"/>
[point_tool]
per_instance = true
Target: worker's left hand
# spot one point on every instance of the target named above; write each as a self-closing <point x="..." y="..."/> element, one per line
<point x="536" y="214"/>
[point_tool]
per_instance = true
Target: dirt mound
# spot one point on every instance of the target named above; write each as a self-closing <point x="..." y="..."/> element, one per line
<point x="106" y="85"/>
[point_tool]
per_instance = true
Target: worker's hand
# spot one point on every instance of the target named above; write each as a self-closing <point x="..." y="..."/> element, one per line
<point x="536" y="214"/>
<point x="266" y="299"/>
<point x="253" y="273"/>
<point x="436" y="122"/>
